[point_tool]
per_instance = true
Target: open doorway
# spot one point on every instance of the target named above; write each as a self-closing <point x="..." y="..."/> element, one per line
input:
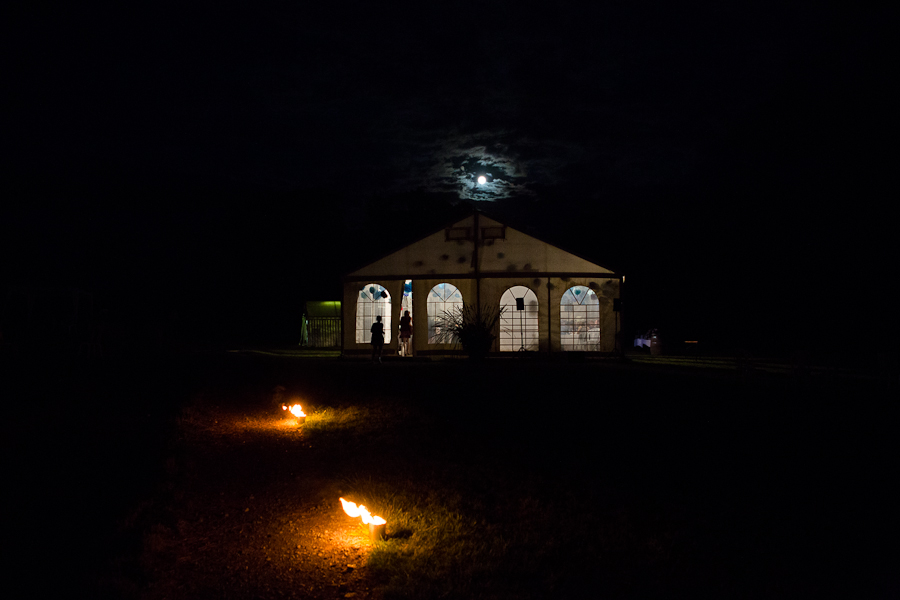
<point x="405" y="325"/>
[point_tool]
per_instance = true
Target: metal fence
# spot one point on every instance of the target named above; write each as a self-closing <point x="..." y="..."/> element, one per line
<point x="324" y="332"/>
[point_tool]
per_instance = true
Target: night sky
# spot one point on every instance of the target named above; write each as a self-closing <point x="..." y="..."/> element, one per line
<point x="214" y="166"/>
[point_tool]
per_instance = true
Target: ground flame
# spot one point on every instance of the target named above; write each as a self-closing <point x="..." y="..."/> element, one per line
<point x="295" y="410"/>
<point x="350" y="508"/>
<point x="353" y="510"/>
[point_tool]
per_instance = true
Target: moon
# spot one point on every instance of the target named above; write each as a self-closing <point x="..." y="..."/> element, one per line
<point x="482" y="180"/>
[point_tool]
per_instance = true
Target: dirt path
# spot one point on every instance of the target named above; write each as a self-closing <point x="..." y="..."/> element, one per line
<point x="246" y="513"/>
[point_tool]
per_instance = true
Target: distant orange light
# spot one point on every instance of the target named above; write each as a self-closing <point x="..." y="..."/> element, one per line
<point x="295" y="410"/>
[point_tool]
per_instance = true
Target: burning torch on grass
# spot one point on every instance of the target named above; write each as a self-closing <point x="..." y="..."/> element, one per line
<point x="296" y="411"/>
<point x="376" y="524"/>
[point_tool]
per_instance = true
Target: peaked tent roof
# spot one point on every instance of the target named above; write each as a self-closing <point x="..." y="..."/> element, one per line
<point x="516" y="252"/>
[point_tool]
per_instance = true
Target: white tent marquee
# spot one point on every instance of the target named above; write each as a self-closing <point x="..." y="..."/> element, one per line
<point x="554" y="301"/>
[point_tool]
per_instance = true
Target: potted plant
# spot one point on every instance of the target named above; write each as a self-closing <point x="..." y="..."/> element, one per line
<point x="470" y="326"/>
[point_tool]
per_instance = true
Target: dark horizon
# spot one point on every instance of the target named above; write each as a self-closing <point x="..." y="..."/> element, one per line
<point x="227" y="166"/>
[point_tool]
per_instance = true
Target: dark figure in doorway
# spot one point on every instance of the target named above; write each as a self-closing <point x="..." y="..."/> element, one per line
<point x="405" y="333"/>
<point x="377" y="339"/>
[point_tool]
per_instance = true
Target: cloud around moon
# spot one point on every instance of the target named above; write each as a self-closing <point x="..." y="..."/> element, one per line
<point x="452" y="162"/>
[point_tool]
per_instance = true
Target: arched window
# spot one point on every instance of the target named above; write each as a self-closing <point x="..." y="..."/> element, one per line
<point x="373" y="301"/>
<point x="444" y="297"/>
<point x="579" y="319"/>
<point x="519" y="321"/>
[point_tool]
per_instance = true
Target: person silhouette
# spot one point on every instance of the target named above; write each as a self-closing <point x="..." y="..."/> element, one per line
<point x="405" y="333"/>
<point x="377" y="339"/>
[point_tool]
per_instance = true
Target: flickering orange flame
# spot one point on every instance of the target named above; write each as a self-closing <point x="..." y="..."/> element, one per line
<point x="350" y="508"/>
<point x="361" y="511"/>
<point x="295" y="410"/>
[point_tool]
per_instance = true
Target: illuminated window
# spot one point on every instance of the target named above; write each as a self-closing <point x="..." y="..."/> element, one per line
<point x="519" y="322"/>
<point x="444" y="297"/>
<point x="579" y="319"/>
<point x="373" y="301"/>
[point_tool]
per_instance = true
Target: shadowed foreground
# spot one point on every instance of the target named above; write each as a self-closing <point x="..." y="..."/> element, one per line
<point x="505" y="480"/>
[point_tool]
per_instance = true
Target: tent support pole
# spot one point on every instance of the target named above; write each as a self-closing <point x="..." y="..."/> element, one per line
<point x="549" y="321"/>
<point x="477" y="269"/>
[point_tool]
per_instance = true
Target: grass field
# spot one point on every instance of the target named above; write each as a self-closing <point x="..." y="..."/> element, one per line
<point x="507" y="479"/>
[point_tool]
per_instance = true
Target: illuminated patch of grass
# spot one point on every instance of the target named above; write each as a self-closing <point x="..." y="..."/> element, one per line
<point x="352" y="425"/>
<point x="355" y="419"/>
<point x="495" y="528"/>
<point x="450" y="537"/>
<point x="616" y="483"/>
